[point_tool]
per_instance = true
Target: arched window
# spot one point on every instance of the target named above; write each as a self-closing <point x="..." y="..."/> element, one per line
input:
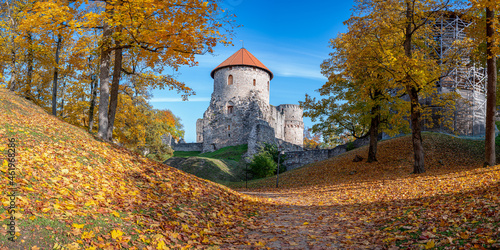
<point x="253" y="82"/>
<point x="229" y="109"/>
<point x="228" y="127"/>
<point x="230" y="80"/>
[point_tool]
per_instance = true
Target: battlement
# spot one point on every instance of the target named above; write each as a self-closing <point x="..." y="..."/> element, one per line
<point x="239" y="110"/>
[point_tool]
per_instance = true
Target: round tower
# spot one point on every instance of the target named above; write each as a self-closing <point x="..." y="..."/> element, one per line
<point x="239" y="76"/>
<point x="294" y="127"/>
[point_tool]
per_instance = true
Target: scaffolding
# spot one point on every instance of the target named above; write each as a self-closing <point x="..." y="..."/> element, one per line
<point x="469" y="81"/>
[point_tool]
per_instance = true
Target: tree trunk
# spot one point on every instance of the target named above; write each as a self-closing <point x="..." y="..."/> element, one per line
<point x="104" y="82"/>
<point x="12" y="84"/>
<point x="93" y="90"/>
<point x="416" y="130"/>
<point x="489" y="159"/>
<point x="62" y="99"/>
<point x="29" y="80"/>
<point x="13" y="73"/>
<point x="56" y="71"/>
<point x="113" y="103"/>
<point x="375" y="122"/>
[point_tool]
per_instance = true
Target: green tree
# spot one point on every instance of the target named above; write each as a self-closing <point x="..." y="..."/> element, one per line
<point x="262" y="165"/>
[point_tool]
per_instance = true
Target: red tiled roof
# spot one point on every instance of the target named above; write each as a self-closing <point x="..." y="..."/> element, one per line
<point x="242" y="57"/>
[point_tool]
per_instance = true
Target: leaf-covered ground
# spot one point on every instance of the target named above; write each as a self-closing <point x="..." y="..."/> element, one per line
<point x="338" y="203"/>
<point x="80" y="193"/>
<point x="77" y="192"/>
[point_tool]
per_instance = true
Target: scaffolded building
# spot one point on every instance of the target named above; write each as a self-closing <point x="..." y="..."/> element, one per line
<point x="468" y="81"/>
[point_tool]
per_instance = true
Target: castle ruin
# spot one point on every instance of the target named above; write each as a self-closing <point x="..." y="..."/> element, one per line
<point x="240" y="113"/>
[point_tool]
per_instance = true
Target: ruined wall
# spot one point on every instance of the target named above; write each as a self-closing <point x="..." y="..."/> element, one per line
<point x="236" y="109"/>
<point x="295" y="159"/>
<point x="187" y="147"/>
<point x="294" y="126"/>
<point x="199" y="130"/>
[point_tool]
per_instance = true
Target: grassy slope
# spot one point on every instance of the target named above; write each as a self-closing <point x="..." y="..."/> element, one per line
<point x="229" y="153"/>
<point x="223" y="165"/>
<point x="216" y="170"/>
<point x="77" y="191"/>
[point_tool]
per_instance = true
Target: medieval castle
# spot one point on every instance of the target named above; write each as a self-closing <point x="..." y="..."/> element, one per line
<point x="240" y="113"/>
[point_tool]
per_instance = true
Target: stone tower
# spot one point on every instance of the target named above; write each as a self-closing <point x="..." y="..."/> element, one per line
<point x="239" y="111"/>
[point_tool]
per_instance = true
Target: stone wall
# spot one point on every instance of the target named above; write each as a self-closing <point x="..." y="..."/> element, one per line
<point x="239" y="113"/>
<point x="295" y="159"/>
<point x="187" y="146"/>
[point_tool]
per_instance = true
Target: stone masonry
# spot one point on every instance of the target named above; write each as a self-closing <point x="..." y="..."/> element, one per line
<point x="240" y="113"/>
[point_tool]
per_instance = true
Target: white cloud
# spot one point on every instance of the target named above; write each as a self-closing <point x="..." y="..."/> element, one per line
<point x="179" y="99"/>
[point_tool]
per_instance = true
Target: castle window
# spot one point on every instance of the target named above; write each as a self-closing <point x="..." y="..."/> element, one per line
<point x="228" y="127"/>
<point x="229" y="109"/>
<point x="228" y="135"/>
<point x="253" y="82"/>
<point x="230" y="80"/>
<point x="267" y="85"/>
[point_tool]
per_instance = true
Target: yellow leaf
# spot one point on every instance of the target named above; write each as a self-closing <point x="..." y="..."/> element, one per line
<point x="161" y="246"/>
<point x="29" y="189"/>
<point x="87" y="235"/>
<point x="72" y="246"/>
<point x="35" y="248"/>
<point x="90" y="203"/>
<point x="260" y="244"/>
<point x="306" y="223"/>
<point x="79" y="226"/>
<point x="115" y="214"/>
<point x="116" y="233"/>
<point x="430" y="244"/>
<point x="32" y="217"/>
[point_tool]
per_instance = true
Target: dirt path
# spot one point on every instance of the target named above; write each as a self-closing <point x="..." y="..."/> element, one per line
<point x="290" y="226"/>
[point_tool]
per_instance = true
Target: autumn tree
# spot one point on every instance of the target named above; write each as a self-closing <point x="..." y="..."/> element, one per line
<point x="362" y="100"/>
<point x="414" y="65"/>
<point x="161" y="34"/>
<point x="311" y="141"/>
<point x="485" y="36"/>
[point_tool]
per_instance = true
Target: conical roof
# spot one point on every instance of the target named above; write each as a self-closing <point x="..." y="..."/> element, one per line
<point x="242" y="57"/>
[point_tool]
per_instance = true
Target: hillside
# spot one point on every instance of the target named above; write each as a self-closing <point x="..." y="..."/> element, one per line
<point x="338" y="203"/>
<point x="216" y="170"/>
<point x="444" y="154"/>
<point x="78" y="192"/>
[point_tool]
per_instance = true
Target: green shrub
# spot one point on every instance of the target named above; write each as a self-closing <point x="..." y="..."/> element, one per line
<point x="262" y="165"/>
<point x="350" y="146"/>
<point x="272" y="149"/>
<point x="160" y="153"/>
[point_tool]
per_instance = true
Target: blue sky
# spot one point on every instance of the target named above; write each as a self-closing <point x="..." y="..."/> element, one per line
<point x="289" y="37"/>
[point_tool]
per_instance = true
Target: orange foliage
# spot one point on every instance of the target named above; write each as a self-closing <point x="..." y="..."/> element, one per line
<point x="105" y="196"/>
